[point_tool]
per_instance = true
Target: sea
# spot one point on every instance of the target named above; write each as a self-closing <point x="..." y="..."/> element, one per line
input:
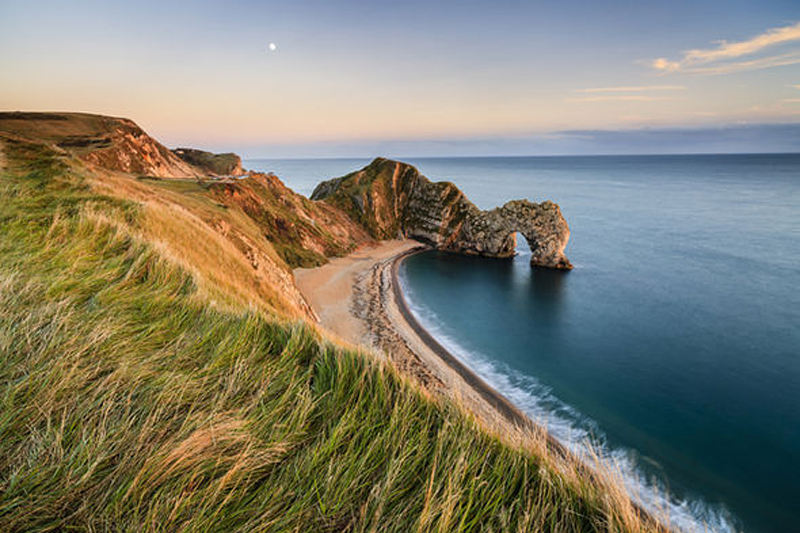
<point x="672" y="349"/>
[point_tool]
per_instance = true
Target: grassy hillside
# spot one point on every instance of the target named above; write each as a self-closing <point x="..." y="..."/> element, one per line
<point x="133" y="400"/>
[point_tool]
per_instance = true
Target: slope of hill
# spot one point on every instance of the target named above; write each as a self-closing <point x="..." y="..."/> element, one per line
<point x="158" y="373"/>
<point x="302" y="232"/>
<point x="240" y="238"/>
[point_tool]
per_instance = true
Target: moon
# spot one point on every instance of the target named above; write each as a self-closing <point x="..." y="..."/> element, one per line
<point x="272" y="47"/>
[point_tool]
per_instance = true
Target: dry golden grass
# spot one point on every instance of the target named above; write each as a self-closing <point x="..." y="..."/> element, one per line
<point x="232" y="262"/>
<point x="131" y="404"/>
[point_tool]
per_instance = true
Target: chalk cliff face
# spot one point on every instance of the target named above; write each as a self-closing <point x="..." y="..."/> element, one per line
<point x="392" y="199"/>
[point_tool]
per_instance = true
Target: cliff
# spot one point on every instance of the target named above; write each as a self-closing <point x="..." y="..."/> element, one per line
<point x="392" y="199"/>
<point x="107" y="142"/>
<point x="228" y="164"/>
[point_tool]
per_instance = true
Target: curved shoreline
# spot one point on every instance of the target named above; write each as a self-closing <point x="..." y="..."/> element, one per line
<point x="359" y="299"/>
<point x="492" y="396"/>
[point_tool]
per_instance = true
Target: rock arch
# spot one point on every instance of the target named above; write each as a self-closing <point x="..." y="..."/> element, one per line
<point x="390" y="199"/>
<point x="492" y="233"/>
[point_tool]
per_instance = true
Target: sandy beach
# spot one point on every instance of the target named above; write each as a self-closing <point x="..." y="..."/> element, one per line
<point x="358" y="298"/>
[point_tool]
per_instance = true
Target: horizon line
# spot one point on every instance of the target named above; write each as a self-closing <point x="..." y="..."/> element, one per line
<point x="511" y="156"/>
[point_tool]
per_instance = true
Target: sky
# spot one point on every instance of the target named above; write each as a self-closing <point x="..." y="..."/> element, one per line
<point x="362" y="78"/>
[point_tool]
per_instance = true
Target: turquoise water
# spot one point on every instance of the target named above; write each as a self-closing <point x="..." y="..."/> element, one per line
<point x="675" y="342"/>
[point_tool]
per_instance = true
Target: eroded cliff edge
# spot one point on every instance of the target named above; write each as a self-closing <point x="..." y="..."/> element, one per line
<point x="392" y="199"/>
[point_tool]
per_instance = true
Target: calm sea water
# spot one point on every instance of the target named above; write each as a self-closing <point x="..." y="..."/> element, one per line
<point x="675" y="342"/>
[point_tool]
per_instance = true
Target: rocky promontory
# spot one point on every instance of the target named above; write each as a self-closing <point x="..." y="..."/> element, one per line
<point x="392" y="199"/>
<point x="227" y="164"/>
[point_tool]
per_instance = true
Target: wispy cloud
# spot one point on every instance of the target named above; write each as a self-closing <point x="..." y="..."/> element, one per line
<point x="632" y="89"/>
<point x="725" y="57"/>
<point x="621" y="98"/>
<point x="791" y="100"/>
<point x="625" y="93"/>
<point x="753" y="64"/>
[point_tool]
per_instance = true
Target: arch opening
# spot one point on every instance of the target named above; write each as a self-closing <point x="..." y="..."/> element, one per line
<point x="515" y="243"/>
<point x="523" y="245"/>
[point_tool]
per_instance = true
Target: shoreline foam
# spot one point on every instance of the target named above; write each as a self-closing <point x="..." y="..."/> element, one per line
<point x="359" y="299"/>
<point x="652" y="502"/>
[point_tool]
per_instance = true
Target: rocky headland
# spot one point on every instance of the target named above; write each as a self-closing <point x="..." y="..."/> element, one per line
<point x="227" y="164"/>
<point x="393" y="200"/>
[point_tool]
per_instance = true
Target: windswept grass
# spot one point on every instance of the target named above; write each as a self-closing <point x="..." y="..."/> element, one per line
<point x="127" y="404"/>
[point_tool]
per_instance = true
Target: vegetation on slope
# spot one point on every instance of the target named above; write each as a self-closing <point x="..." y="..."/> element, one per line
<point x="130" y="403"/>
<point x="304" y="233"/>
<point x="374" y="196"/>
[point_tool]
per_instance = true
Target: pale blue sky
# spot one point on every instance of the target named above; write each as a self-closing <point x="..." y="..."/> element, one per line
<point x="351" y="77"/>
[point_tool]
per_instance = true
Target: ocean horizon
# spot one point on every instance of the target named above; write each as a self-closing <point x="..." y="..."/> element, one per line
<point x="671" y="346"/>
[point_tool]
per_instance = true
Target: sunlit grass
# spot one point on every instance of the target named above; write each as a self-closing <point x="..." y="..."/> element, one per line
<point x="130" y="404"/>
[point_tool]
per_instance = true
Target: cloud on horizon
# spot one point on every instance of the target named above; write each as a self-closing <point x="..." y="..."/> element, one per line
<point x="739" y="138"/>
<point x="605" y="94"/>
<point x="621" y="98"/>
<point x="645" y="88"/>
<point x="725" y="57"/>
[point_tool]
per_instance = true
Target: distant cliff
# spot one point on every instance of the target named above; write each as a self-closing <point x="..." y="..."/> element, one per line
<point x="228" y="164"/>
<point x="392" y="199"/>
<point x="110" y="143"/>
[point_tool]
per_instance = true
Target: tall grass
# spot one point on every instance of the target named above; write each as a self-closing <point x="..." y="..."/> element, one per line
<point x="127" y="404"/>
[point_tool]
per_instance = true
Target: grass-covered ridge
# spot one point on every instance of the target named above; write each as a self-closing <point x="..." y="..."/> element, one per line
<point x="130" y="404"/>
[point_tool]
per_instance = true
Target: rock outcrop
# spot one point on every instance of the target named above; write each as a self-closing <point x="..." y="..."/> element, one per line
<point x="392" y="199"/>
<point x="228" y="164"/>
